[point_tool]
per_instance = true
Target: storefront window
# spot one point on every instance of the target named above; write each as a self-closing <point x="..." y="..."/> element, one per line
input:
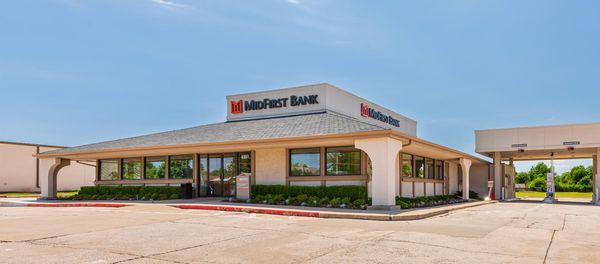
<point x="181" y="167"/>
<point x="155" y="168"/>
<point x="419" y="167"/>
<point x="132" y="169"/>
<point x="109" y="170"/>
<point x="407" y="166"/>
<point x="203" y="175"/>
<point x="439" y="169"/>
<point x="245" y="163"/>
<point x="430" y="169"/>
<point x="305" y="162"/>
<point x="343" y="161"/>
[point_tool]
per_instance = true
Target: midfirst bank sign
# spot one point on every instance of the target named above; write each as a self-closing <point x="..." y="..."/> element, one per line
<point x="367" y="111"/>
<point x="314" y="99"/>
<point x="240" y="106"/>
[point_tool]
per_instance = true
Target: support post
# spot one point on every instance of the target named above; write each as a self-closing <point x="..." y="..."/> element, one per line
<point x="465" y="165"/>
<point x="48" y="184"/>
<point x="596" y="178"/>
<point x="498" y="176"/>
<point x="383" y="153"/>
<point x="550" y="196"/>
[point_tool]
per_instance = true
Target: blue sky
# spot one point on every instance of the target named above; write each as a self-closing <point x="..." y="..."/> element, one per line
<point x="76" y="72"/>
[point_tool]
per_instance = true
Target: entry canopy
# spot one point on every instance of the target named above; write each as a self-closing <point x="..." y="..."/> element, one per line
<point x="542" y="142"/>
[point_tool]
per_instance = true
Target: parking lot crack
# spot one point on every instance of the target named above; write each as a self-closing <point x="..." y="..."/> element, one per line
<point x="549" y="245"/>
<point x="204" y="244"/>
<point x="352" y="247"/>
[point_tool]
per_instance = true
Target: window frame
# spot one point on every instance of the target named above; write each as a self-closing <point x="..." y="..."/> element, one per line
<point x="155" y="159"/>
<point x="126" y="160"/>
<point x="318" y="151"/>
<point x="100" y="169"/>
<point x="412" y="165"/>
<point x="415" y="171"/>
<point x="190" y="161"/>
<point x="350" y="174"/>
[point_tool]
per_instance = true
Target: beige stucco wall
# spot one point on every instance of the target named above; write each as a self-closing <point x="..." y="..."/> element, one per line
<point x="18" y="170"/>
<point x="478" y="179"/>
<point x="270" y="166"/>
<point x="453" y="178"/>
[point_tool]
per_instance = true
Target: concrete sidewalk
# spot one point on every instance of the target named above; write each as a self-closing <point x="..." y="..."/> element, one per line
<point x="218" y="205"/>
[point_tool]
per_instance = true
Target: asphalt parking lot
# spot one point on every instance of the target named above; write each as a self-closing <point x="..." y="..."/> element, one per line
<point x="494" y="233"/>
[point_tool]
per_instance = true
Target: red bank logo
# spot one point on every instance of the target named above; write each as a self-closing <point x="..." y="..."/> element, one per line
<point x="237" y="107"/>
<point x="364" y="110"/>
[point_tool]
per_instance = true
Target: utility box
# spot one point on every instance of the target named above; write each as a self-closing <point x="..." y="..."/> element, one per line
<point x="242" y="183"/>
<point x="187" y="192"/>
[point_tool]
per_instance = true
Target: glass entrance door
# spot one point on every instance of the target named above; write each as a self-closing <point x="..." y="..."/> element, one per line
<point x="229" y="173"/>
<point x="215" y="170"/>
<point x="218" y="172"/>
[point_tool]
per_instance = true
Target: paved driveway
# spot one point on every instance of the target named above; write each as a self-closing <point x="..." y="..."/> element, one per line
<point x="495" y="233"/>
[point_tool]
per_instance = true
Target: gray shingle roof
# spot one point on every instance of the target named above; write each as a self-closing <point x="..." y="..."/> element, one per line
<point x="326" y="123"/>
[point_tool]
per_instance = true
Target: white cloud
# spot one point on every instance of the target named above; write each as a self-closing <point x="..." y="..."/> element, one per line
<point x="167" y="3"/>
<point x="295" y="2"/>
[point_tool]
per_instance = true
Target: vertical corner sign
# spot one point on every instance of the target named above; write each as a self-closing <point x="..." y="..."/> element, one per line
<point x="237" y="107"/>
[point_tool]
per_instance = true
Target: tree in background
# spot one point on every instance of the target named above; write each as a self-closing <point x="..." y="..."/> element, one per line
<point x="522" y="177"/>
<point x="578" y="179"/>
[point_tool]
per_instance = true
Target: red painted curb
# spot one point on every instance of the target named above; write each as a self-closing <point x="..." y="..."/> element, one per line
<point x="75" y="205"/>
<point x="249" y="210"/>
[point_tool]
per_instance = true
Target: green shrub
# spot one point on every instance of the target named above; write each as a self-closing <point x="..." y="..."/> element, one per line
<point x="352" y="192"/>
<point x="313" y="201"/>
<point x="302" y="198"/>
<point x="359" y="203"/>
<point x="539" y="184"/>
<point x="324" y="201"/>
<point x="346" y="202"/>
<point x="335" y="202"/>
<point x="278" y="198"/>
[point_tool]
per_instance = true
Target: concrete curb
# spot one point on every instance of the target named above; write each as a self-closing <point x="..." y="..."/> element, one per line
<point x="111" y="205"/>
<point x="30" y="204"/>
<point x="401" y="216"/>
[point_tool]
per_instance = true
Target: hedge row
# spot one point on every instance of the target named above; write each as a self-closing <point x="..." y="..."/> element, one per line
<point x="351" y="192"/>
<point x="128" y="193"/>
<point x="313" y="201"/>
<point x="426" y="201"/>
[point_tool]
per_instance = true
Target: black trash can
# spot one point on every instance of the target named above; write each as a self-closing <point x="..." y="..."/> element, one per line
<point x="187" y="192"/>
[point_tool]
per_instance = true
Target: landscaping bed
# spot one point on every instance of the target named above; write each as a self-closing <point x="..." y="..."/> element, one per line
<point x="428" y="201"/>
<point x="345" y="197"/>
<point x="127" y="193"/>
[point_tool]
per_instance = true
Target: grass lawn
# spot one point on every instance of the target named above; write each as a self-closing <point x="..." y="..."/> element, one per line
<point x="531" y="194"/>
<point x="32" y="194"/>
